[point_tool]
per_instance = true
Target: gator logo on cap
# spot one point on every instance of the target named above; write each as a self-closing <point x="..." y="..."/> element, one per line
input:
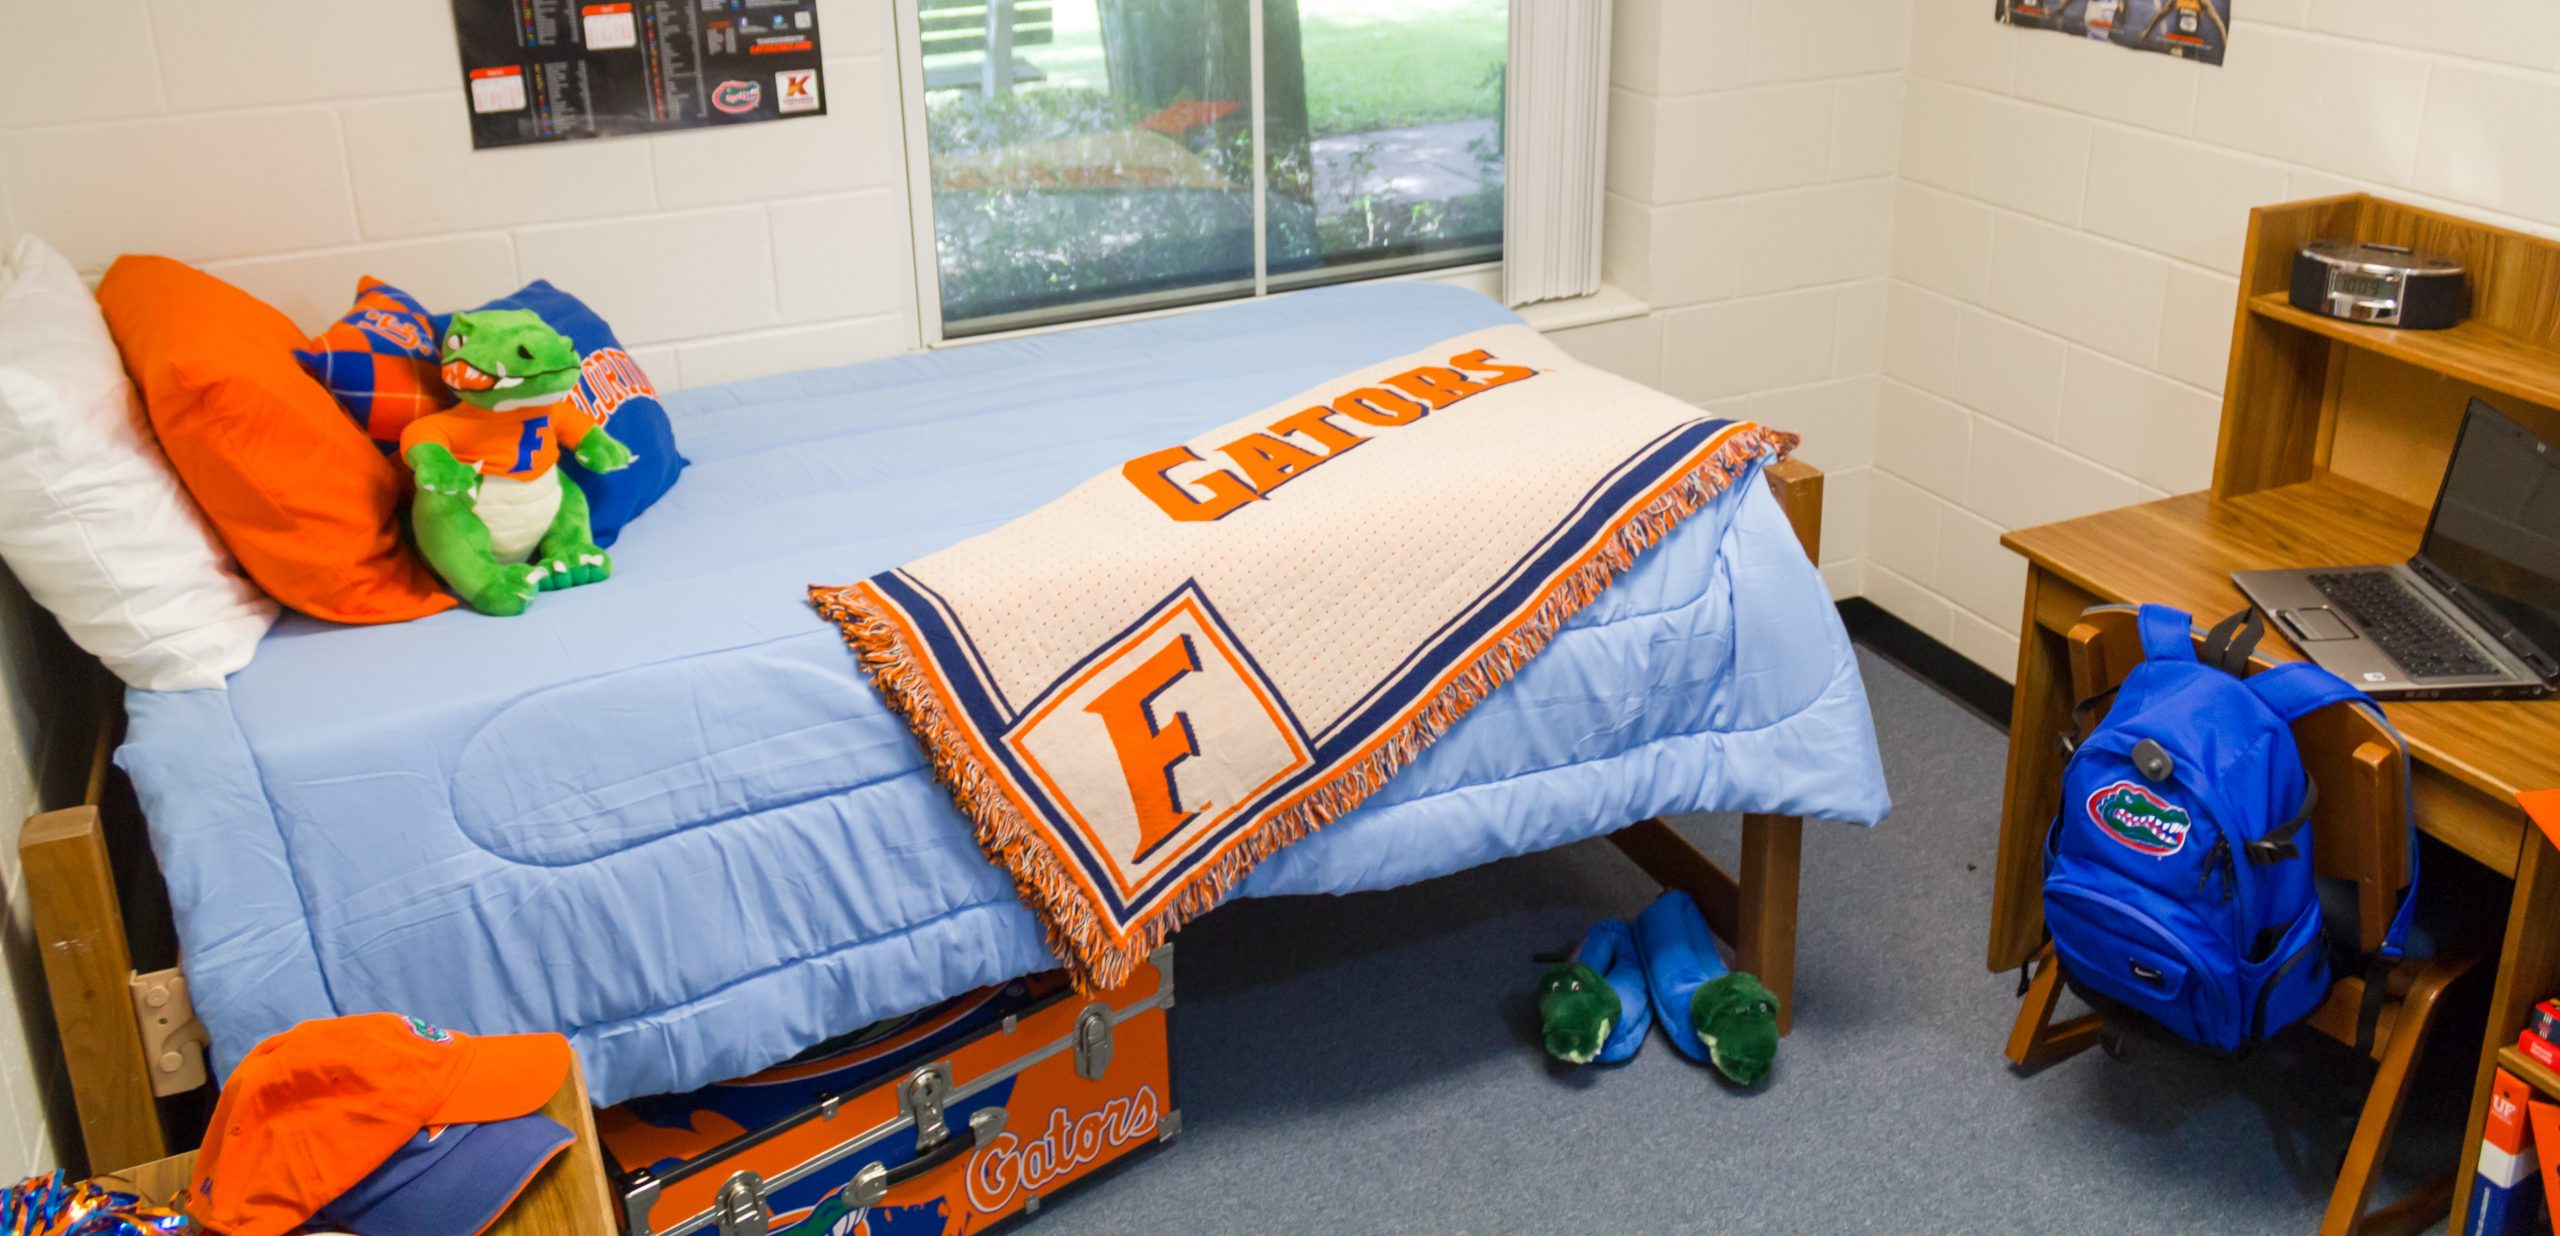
<point x="433" y="1034"/>
<point x="2141" y="820"/>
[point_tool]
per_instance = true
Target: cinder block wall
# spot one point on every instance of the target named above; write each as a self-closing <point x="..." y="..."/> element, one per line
<point x="2067" y="232"/>
<point x="291" y="146"/>
<point x="1751" y="193"/>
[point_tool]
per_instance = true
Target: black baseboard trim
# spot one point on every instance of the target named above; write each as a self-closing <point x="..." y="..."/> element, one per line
<point x="1980" y="691"/>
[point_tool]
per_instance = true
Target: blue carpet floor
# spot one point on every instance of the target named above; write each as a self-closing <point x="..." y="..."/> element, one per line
<point x="1369" y="1064"/>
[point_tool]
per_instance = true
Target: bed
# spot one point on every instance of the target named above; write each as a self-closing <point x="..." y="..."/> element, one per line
<point x="665" y="816"/>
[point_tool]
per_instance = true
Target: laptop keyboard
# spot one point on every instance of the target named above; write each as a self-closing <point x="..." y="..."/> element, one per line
<point x="2402" y="625"/>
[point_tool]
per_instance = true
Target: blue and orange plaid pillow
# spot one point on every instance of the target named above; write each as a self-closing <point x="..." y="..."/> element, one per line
<point x="380" y="362"/>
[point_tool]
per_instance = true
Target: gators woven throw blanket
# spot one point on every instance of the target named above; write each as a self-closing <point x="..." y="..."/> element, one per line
<point x="1140" y="690"/>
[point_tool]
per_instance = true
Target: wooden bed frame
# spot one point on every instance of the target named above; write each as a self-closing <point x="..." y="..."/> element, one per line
<point x="129" y="1040"/>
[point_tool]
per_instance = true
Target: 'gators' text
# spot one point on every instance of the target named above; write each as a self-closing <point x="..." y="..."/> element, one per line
<point x="1260" y="462"/>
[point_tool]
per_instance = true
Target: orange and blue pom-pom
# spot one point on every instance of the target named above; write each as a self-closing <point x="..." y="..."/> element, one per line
<point x="52" y="1206"/>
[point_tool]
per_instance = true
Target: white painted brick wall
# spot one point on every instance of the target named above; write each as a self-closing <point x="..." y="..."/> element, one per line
<point x="291" y="146"/>
<point x="1752" y="194"/>
<point x="209" y="59"/>
<point x="2067" y="233"/>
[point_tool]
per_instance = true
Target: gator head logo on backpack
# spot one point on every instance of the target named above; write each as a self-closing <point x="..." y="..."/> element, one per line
<point x="2140" y="819"/>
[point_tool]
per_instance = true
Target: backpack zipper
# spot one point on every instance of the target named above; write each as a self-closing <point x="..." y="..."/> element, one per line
<point x="2219" y="859"/>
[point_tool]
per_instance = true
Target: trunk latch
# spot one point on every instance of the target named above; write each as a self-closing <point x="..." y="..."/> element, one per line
<point x="921" y="1097"/>
<point x="1093" y="1041"/>
<point x="740" y="1209"/>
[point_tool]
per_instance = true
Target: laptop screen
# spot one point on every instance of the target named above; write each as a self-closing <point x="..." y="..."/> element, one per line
<point x="2496" y="528"/>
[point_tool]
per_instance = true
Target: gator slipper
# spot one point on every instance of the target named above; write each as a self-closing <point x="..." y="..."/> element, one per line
<point x="1593" y="1006"/>
<point x="1713" y="1016"/>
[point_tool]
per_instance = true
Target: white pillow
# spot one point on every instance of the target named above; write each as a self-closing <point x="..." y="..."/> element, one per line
<point x="91" y="518"/>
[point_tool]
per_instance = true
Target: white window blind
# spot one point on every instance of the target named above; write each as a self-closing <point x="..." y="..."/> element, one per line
<point x="1557" y="121"/>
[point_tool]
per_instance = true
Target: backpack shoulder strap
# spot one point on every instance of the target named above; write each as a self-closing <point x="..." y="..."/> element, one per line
<point x="2293" y="691"/>
<point x="2166" y="634"/>
<point x="2297" y="689"/>
<point x="2228" y="645"/>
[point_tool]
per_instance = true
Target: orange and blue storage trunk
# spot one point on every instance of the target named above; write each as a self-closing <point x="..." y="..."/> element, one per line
<point x="947" y="1120"/>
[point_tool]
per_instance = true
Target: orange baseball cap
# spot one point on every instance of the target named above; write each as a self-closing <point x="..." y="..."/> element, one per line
<point x="316" y="1109"/>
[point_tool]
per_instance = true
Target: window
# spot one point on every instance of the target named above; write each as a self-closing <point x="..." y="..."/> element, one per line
<point x="1090" y="157"/>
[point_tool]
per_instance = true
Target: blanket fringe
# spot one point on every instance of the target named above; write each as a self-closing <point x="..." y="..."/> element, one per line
<point x="1099" y="959"/>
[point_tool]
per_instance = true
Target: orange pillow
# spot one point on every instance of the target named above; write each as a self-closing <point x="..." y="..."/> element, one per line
<point x="306" y="503"/>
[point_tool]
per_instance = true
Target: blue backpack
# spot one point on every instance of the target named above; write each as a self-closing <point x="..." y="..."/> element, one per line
<point x="2178" y="879"/>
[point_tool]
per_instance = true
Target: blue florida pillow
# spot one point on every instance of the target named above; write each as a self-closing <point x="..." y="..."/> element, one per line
<point x="613" y="391"/>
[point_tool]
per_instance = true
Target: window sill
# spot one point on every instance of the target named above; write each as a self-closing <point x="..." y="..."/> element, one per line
<point x="1610" y="304"/>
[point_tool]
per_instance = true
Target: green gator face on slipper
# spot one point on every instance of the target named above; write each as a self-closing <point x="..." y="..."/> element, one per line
<point x="1576" y="1009"/>
<point x="1737" y="1018"/>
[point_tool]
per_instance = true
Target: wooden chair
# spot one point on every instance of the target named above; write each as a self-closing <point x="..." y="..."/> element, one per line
<point x="2359" y="835"/>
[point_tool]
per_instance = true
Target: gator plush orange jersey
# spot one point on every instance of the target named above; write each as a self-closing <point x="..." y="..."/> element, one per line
<point x="521" y="443"/>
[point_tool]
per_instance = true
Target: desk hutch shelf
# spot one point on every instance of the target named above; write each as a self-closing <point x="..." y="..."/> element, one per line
<point x="2309" y="395"/>
<point x="2544" y="1082"/>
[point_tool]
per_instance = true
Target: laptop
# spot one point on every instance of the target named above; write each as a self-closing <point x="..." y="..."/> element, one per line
<point x="2476" y="615"/>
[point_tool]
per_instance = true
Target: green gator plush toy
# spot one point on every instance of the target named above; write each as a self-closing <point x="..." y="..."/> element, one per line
<point x="492" y="514"/>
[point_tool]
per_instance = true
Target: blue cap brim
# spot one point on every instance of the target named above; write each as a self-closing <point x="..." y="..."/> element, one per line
<point x="456" y="1189"/>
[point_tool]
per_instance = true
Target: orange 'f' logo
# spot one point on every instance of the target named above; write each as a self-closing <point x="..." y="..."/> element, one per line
<point x="1149" y="751"/>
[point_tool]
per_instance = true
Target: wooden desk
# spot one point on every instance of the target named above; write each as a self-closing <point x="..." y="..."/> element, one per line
<point x="2334" y="438"/>
<point x="2528" y="970"/>
<point x="2469" y="758"/>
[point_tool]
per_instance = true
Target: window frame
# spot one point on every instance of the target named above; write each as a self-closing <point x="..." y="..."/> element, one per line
<point x="926" y="256"/>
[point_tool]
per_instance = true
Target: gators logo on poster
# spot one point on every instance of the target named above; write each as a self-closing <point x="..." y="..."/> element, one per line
<point x="737" y="98"/>
<point x="2141" y="820"/>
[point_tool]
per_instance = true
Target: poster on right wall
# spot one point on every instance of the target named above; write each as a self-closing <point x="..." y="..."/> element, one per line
<point x="2188" y="29"/>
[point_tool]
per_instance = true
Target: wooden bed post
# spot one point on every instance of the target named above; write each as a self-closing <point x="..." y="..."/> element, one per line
<point x="1764" y="941"/>
<point x="1758" y="911"/>
<point x="1798" y="487"/>
<point x="88" y="970"/>
<point x="127" y="1038"/>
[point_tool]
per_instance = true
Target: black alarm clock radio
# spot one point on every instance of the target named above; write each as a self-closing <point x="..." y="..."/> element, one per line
<point x="2380" y="285"/>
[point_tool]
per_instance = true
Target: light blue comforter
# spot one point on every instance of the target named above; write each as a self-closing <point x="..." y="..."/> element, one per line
<point x="666" y="817"/>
